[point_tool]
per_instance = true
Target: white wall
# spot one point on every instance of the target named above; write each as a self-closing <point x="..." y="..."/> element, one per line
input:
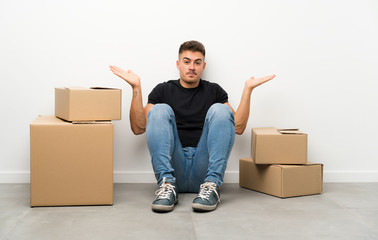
<point x="323" y="52"/>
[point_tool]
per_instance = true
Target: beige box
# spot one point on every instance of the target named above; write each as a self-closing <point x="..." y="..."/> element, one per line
<point x="70" y="163"/>
<point x="279" y="146"/>
<point x="88" y="104"/>
<point x="281" y="180"/>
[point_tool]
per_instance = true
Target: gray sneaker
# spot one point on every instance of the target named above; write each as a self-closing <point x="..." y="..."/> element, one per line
<point x="166" y="198"/>
<point x="207" y="199"/>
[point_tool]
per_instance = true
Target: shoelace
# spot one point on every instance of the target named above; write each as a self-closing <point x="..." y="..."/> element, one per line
<point x="165" y="190"/>
<point x="206" y="190"/>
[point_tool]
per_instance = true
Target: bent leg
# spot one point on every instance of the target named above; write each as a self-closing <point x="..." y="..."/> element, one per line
<point x="214" y="147"/>
<point x="167" y="156"/>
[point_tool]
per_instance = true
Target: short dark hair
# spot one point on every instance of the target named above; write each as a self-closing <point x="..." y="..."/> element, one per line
<point x="193" y="46"/>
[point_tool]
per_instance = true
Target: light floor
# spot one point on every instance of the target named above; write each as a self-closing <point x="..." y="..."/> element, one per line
<point x="343" y="211"/>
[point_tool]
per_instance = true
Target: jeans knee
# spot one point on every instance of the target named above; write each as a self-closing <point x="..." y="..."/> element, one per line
<point x="220" y="111"/>
<point x="160" y="111"/>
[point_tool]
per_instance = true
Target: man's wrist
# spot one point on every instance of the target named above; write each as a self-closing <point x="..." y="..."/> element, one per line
<point x="248" y="88"/>
<point x="136" y="87"/>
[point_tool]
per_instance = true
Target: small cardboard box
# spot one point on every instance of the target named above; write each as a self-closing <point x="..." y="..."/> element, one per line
<point x="88" y="104"/>
<point x="279" y="146"/>
<point x="281" y="180"/>
<point x="70" y="164"/>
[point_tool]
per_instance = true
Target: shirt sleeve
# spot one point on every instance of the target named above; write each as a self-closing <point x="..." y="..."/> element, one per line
<point x="221" y="95"/>
<point x="156" y="95"/>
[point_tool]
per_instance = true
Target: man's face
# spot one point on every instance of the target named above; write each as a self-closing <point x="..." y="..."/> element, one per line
<point x="191" y="65"/>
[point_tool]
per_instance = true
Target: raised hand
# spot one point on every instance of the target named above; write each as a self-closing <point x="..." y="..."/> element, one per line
<point x="129" y="76"/>
<point x="254" y="82"/>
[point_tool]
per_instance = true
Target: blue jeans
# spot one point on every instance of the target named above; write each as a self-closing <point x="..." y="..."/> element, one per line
<point x="189" y="167"/>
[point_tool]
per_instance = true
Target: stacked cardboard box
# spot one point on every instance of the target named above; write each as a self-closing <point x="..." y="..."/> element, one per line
<point x="279" y="166"/>
<point x="83" y="104"/>
<point x="71" y="153"/>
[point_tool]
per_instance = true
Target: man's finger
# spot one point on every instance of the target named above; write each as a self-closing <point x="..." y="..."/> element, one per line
<point x="270" y="77"/>
<point x="115" y="68"/>
<point x="267" y="78"/>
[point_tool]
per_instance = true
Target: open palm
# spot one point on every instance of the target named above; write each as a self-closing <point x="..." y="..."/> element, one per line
<point x="254" y="82"/>
<point x="129" y="76"/>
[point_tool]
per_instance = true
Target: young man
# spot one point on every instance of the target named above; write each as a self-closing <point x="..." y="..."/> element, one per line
<point x="190" y="129"/>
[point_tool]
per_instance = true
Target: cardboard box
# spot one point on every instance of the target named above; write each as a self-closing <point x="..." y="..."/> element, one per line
<point x="281" y="180"/>
<point x="70" y="164"/>
<point x="88" y="104"/>
<point x="279" y="146"/>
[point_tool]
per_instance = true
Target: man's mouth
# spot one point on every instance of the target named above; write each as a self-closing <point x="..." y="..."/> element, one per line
<point x="191" y="73"/>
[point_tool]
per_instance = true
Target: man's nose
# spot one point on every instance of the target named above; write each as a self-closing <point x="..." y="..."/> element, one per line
<point x="191" y="66"/>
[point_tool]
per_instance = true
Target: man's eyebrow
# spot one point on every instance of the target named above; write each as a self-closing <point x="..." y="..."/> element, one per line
<point x="198" y="59"/>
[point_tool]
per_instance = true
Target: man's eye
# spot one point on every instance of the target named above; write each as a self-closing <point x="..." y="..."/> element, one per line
<point x="198" y="63"/>
<point x="186" y="62"/>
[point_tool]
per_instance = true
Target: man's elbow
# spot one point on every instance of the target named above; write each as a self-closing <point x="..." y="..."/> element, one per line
<point x="239" y="130"/>
<point x="138" y="131"/>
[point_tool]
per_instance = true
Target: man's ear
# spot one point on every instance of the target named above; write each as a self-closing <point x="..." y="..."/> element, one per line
<point x="204" y="65"/>
<point x="177" y="64"/>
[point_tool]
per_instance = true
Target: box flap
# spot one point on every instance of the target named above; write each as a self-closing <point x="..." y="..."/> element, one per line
<point x="311" y="163"/>
<point x="92" y="122"/>
<point x="265" y="131"/>
<point x="86" y="88"/>
<point x="103" y="88"/>
<point x="53" y="120"/>
<point x="290" y="131"/>
<point x="75" y="88"/>
<point x="297" y="165"/>
<point x="48" y="120"/>
<point x="247" y="159"/>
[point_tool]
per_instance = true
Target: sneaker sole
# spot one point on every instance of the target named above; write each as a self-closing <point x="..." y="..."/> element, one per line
<point x="163" y="208"/>
<point x="203" y="208"/>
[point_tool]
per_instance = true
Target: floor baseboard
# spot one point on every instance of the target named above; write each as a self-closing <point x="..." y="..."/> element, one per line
<point x="230" y="176"/>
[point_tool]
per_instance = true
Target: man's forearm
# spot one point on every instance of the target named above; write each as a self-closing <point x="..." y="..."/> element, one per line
<point x="242" y="113"/>
<point x="137" y="116"/>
